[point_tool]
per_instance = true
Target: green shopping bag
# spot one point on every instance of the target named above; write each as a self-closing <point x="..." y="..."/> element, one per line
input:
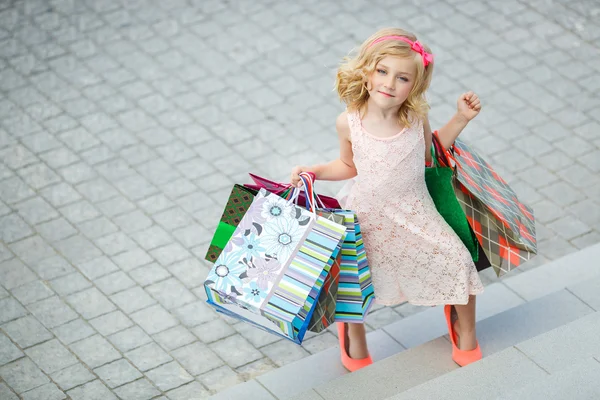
<point x="439" y="184"/>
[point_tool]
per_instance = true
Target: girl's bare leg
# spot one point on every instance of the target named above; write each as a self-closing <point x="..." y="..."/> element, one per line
<point x="465" y="325"/>
<point x="357" y="341"/>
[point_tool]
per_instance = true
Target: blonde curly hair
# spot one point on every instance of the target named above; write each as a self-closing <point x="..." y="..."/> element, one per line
<point x="355" y="70"/>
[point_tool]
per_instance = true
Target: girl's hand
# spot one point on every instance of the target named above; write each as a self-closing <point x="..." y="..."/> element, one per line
<point x="295" y="178"/>
<point x="469" y="105"/>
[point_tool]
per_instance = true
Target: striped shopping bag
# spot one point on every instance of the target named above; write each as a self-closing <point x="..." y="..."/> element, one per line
<point x="355" y="294"/>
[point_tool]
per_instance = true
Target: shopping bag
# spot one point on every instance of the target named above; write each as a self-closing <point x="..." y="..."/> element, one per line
<point x="439" y="184"/>
<point x="355" y="294"/>
<point x="278" y="254"/>
<point x="279" y="188"/>
<point x="503" y="225"/>
<point x="237" y="204"/>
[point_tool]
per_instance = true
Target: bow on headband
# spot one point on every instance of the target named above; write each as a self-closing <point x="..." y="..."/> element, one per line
<point x="415" y="46"/>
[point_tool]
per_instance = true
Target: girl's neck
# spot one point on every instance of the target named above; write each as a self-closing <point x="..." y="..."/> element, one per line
<point x="380" y="114"/>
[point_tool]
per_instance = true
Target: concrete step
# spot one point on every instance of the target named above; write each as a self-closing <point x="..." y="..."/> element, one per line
<point x="559" y="364"/>
<point x="579" y="382"/>
<point x="498" y="299"/>
<point x="421" y="364"/>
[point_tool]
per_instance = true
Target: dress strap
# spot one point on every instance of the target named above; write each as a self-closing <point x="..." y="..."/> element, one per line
<point x="355" y="123"/>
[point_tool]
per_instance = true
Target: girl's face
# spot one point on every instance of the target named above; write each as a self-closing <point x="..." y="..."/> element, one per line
<point x="392" y="81"/>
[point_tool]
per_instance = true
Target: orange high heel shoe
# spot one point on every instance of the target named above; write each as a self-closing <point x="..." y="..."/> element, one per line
<point x="351" y="364"/>
<point x="461" y="357"/>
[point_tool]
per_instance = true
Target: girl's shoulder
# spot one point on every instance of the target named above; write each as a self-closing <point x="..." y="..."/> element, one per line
<point x="342" y="124"/>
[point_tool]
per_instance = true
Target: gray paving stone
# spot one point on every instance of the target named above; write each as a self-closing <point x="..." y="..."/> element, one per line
<point x="115" y="206"/>
<point x="98" y="267"/>
<point x="136" y="187"/>
<point x="154" y="319"/>
<point x="32" y="249"/>
<point x="197" y="358"/>
<point x="132" y="300"/>
<point x="133" y="221"/>
<point x="169" y="254"/>
<point x="113" y="283"/>
<point x="26" y="331"/>
<point x="169" y="376"/>
<point x="96" y="190"/>
<point x="117" y="373"/>
<point x="59" y="157"/>
<point x="13" y="228"/>
<point x="192" y="235"/>
<point x="17" y="156"/>
<point x="22" y="375"/>
<point x="77" y="249"/>
<point x="79" y="212"/>
<point x="97" y="155"/>
<point x="60" y="194"/>
<point x="8" y="351"/>
<point x="73" y="331"/>
<point x="90" y="303"/>
<point x="149" y="274"/>
<point x="38" y="176"/>
<point x="129" y="339"/>
<point x="173" y="218"/>
<point x="156" y="203"/>
<point x="111" y="323"/>
<point x="218" y="329"/>
<point x="152" y="237"/>
<point x="174" y="338"/>
<point x="190" y="391"/>
<point x="95" y="351"/>
<point x="32" y="292"/>
<point x="170" y="293"/>
<point x="68" y="284"/>
<point x="6" y="393"/>
<point x="132" y="259"/>
<point x="36" y="210"/>
<point x="77" y="173"/>
<point x="51" y="356"/>
<point x="115" y="243"/>
<point x="45" y="392"/>
<point x="94" y="390"/>
<point x="55" y="230"/>
<point x="148" y="357"/>
<point x="52" y="312"/>
<point x="220" y="378"/>
<point x="40" y="142"/>
<point x="141" y="389"/>
<point x="190" y="272"/>
<point x="13" y="273"/>
<point x="195" y="313"/>
<point x="96" y="228"/>
<point x="236" y="351"/>
<point x="5" y="254"/>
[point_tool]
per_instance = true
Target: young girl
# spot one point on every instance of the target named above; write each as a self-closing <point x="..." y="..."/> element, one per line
<point x="385" y="139"/>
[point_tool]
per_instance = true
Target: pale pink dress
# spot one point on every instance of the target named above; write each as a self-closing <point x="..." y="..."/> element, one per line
<point x="413" y="253"/>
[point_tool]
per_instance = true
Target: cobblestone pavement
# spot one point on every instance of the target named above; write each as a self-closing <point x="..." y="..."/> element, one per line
<point x="123" y="125"/>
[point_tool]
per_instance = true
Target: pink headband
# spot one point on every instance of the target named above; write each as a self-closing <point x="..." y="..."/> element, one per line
<point x="415" y="46"/>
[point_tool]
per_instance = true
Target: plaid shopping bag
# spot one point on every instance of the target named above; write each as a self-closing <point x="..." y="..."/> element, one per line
<point x="268" y="275"/>
<point x="504" y="226"/>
